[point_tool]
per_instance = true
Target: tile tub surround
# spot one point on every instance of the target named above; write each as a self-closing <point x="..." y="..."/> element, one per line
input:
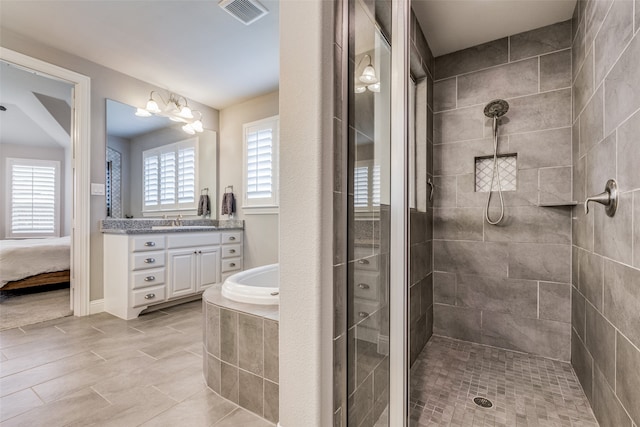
<point x="606" y="251"/>
<point x="506" y="285"/>
<point x="524" y="389"/>
<point x="101" y="370"/>
<point x="240" y="347"/>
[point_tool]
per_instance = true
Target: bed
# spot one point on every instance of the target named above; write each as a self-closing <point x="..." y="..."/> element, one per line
<point x="34" y="262"/>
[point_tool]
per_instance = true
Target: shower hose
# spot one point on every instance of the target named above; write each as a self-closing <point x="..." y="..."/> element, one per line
<point x="495" y="172"/>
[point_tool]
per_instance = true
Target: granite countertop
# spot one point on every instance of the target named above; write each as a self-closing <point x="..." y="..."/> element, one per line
<point x="148" y="226"/>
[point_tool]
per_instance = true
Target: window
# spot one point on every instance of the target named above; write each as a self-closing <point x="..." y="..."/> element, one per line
<point x="170" y="176"/>
<point x="366" y="183"/>
<point x="33" y="191"/>
<point x="261" y="163"/>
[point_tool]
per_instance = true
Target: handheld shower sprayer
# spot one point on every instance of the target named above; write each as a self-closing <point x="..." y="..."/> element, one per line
<point x="494" y="110"/>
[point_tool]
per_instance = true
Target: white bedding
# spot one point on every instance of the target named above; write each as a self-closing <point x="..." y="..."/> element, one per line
<point x="24" y="258"/>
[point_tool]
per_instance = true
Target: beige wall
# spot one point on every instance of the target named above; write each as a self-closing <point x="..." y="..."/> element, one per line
<point x="261" y="231"/>
<point x="105" y="83"/>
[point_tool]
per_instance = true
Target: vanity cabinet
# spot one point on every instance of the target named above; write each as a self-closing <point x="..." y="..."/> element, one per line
<point x="143" y="270"/>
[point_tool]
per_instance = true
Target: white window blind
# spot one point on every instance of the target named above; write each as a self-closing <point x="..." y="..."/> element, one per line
<point x="261" y="163"/>
<point x="366" y="185"/>
<point x="170" y="176"/>
<point x="34" y="194"/>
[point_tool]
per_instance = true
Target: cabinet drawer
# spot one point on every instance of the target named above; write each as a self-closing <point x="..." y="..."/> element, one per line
<point x="232" y="237"/>
<point x="366" y="284"/>
<point x="146" y="278"/>
<point x="148" y="296"/>
<point x="231" y="251"/>
<point x="370" y="263"/>
<point x="146" y="260"/>
<point x="146" y="243"/>
<point x="231" y="264"/>
<point x="187" y="240"/>
<point x="366" y="312"/>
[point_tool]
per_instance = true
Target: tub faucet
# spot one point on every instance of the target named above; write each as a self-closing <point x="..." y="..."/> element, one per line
<point x="178" y="221"/>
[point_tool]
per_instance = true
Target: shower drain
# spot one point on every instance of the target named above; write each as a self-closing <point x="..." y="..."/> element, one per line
<point x="481" y="401"/>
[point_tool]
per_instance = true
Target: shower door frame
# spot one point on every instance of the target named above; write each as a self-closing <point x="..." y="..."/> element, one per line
<point x="399" y="241"/>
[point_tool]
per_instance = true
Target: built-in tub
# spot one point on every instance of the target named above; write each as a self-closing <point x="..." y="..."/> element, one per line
<point x="258" y="285"/>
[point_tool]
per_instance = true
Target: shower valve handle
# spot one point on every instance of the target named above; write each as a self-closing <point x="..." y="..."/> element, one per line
<point x="608" y="198"/>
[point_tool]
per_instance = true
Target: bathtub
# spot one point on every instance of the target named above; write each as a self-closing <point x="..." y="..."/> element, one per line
<point x="258" y="285"/>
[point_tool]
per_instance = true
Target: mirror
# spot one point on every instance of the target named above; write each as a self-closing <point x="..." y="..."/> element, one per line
<point x="128" y="137"/>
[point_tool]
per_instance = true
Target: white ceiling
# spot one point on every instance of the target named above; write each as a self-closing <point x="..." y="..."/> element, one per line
<point x="451" y="25"/>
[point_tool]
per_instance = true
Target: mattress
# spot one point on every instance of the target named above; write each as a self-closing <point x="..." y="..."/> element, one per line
<point x="28" y="257"/>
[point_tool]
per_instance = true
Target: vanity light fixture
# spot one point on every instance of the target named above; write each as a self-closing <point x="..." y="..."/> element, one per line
<point x="367" y="79"/>
<point x="175" y="110"/>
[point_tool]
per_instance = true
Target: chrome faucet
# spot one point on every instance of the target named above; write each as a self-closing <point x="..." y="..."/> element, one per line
<point x="178" y="221"/>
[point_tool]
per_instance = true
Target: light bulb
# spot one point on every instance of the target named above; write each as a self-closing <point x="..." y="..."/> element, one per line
<point x="374" y="87"/>
<point x="368" y="75"/>
<point x="152" y="106"/>
<point x="360" y="89"/>
<point x="185" y="112"/>
<point x="197" y="126"/>
<point x="188" y="129"/>
<point x="141" y="112"/>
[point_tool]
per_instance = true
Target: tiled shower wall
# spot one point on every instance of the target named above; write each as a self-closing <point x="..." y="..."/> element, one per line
<point x="605" y="336"/>
<point x="506" y="285"/>
<point x="421" y="217"/>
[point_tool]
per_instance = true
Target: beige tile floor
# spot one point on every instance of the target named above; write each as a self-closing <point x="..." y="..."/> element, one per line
<point x="103" y="371"/>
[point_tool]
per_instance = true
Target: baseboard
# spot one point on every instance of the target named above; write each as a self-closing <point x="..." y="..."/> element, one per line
<point x="96" y="306"/>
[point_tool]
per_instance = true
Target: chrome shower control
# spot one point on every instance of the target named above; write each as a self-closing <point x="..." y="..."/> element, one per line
<point x="608" y="198"/>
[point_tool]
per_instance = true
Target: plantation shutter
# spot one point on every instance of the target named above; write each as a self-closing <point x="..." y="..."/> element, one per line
<point x="34" y="195"/>
<point x="186" y="175"/>
<point x="261" y="163"/>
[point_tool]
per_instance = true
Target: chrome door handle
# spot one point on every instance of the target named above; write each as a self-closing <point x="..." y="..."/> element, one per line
<point x="430" y="183"/>
<point x="149" y="296"/>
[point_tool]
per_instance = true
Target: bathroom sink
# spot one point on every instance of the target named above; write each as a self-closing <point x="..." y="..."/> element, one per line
<point x="184" y="227"/>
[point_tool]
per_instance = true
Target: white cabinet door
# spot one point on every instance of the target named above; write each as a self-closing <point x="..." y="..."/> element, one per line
<point x="208" y="270"/>
<point x="182" y="272"/>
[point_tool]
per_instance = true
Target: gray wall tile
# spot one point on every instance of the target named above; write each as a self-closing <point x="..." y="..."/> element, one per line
<point x="592" y="123"/>
<point x="212" y="372"/>
<point x="591" y="277"/>
<point x="555" y="70"/>
<point x="458" y="125"/>
<point x="339" y="371"/>
<point x="472" y="59"/>
<point x="526" y="224"/>
<point x="601" y="339"/>
<point x="466" y="195"/>
<point x="459" y="158"/>
<point x="636" y="229"/>
<point x="554" y="298"/>
<point x="458" y="223"/>
<point x="574" y="265"/>
<point x="606" y="407"/>
<point x="271" y="401"/>
<point x="555" y="185"/>
<point x="582" y="364"/>
<point x="229" y="336"/>
<point x="506" y="81"/>
<point x="444" y="192"/>
<point x="212" y="329"/>
<point x="444" y="288"/>
<point x="582" y="228"/>
<point x="594" y="14"/>
<point x="622" y="87"/>
<point x="426" y="298"/>
<point x="628" y="153"/>
<point x="517" y="297"/>
<point x="546" y="148"/>
<point x="622" y="298"/>
<point x="579" y="179"/>
<point x="250" y="344"/>
<point x="637" y="20"/>
<point x="628" y="376"/>
<point x="544" y="337"/>
<point x="601" y="166"/>
<point x="537" y="112"/>
<point x="444" y="94"/>
<point x="583" y="85"/>
<point x="271" y="350"/>
<point x="471" y="257"/>
<point x="537" y="261"/>
<point x="541" y="40"/>
<point x="612" y="238"/>
<point x="616" y="31"/>
<point x="456" y="322"/>
<point x="578" y="50"/>
<point x="229" y="382"/>
<point x="578" y="313"/>
<point x="251" y="392"/>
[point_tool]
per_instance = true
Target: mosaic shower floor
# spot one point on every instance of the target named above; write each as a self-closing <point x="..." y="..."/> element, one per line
<point x="525" y="390"/>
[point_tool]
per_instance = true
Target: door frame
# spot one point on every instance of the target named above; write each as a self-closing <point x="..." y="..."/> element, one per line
<point x="81" y="162"/>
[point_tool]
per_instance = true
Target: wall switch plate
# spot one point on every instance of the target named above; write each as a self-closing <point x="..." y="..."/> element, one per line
<point x="97" y="189"/>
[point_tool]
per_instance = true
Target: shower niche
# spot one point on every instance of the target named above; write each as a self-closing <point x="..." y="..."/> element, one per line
<point x="487" y="177"/>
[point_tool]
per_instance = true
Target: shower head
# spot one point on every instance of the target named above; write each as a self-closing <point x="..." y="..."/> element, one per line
<point x="496" y="108"/>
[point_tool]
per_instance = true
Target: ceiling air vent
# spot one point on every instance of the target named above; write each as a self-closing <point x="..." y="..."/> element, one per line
<point x="245" y="11"/>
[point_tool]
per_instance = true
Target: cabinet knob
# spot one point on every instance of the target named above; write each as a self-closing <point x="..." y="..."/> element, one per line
<point x="150" y="278"/>
<point x="363" y="314"/>
<point x="149" y="296"/>
<point x="149" y="260"/>
<point x="363" y="286"/>
<point x="232" y="238"/>
<point x="232" y="251"/>
<point x="195" y="252"/>
<point x="149" y="243"/>
<point x="233" y="264"/>
<point x="199" y="252"/>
